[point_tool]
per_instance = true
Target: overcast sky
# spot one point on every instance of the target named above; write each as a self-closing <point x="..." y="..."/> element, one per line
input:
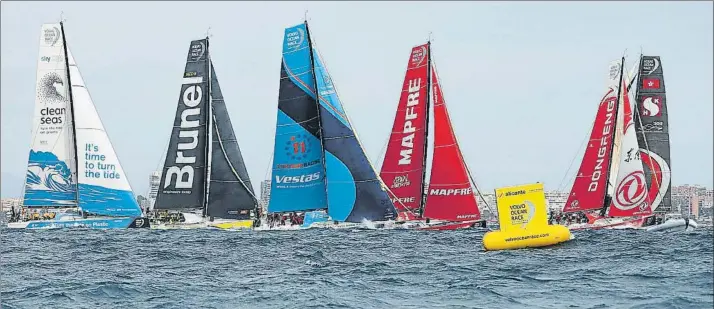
<point x="522" y="80"/>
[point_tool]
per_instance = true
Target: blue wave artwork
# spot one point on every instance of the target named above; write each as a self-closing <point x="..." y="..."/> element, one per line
<point x="354" y="191"/>
<point x="103" y="201"/>
<point x="297" y="180"/>
<point x="48" y="181"/>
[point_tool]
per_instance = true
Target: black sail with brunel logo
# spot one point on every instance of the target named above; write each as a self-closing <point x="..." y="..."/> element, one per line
<point x="183" y="176"/>
<point x="652" y="126"/>
<point x="230" y="193"/>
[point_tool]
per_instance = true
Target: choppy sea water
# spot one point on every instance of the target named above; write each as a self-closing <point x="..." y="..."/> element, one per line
<point x="350" y="269"/>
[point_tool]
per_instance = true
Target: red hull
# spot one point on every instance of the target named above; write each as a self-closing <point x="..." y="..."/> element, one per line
<point x="634" y="223"/>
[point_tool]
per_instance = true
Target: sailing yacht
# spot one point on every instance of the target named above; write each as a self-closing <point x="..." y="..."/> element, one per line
<point x="204" y="180"/>
<point x="449" y="202"/>
<point x="319" y="169"/>
<point x="74" y="178"/>
<point x="624" y="177"/>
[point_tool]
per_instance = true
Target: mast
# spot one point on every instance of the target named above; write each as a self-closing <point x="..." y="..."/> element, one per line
<point x="209" y="132"/>
<point x="71" y="108"/>
<point x="606" y="201"/>
<point x="317" y="106"/>
<point x="426" y="128"/>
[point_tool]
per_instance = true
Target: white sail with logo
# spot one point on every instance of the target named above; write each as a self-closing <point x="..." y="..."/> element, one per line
<point x="629" y="197"/>
<point x="51" y="178"/>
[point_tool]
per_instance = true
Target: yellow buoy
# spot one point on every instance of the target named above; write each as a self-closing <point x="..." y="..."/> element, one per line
<point x="523" y="221"/>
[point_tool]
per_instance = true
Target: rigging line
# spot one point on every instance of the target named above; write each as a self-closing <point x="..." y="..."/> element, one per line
<point x="562" y="183"/>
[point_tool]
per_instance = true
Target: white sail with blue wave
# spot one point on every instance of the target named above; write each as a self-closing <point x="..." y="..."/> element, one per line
<point x="51" y="174"/>
<point x="103" y="186"/>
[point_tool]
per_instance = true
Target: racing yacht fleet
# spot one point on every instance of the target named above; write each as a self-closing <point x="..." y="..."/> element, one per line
<point x="321" y="176"/>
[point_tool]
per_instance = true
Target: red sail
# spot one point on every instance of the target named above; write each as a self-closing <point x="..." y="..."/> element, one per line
<point x="450" y="196"/>
<point x="590" y="184"/>
<point x="403" y="166"/>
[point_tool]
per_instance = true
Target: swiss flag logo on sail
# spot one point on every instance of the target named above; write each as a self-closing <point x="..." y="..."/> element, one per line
<point x="650" y="83"/>
<point x="651" y="106"/>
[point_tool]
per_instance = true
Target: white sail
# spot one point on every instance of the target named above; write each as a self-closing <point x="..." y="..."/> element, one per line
<point x="630" y="194"/>
<point x="51" y="172"/>
<point x="103" y="186"/>
<point x="614" y="80"/>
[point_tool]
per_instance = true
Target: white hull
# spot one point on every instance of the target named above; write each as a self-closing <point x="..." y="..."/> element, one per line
<point x="674" y="225"/>
<point x="195" y="221"/>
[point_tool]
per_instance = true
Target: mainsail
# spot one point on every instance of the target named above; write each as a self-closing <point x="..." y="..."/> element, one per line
<point x="630" y="193"/>
<point x="183" y="179"/>
<point x="591" y="183"/>
<point x="204" y="168"/>
<point x="67" y="150"/>
<point x="450" y="196"/>
<point x="404" y="166"/>
<point x="51" y="172"/>
<point x="652" y="126"/>
<point x="314" y="136"/>
<point x="297" y="182"/>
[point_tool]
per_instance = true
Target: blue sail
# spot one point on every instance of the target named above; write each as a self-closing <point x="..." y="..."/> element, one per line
<point x="297" y="180"/>
<point x="353" y="189"/>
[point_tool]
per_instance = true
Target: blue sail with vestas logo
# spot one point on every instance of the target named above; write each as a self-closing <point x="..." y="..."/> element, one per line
<point x="354" y="190"/>
<point x="297" y="180"/>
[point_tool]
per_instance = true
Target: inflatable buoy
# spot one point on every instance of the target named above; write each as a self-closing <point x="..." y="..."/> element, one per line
<point x="523" y="220"/>
<point x="545" y="236"/>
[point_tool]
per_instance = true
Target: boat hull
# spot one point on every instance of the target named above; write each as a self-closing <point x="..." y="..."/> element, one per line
<point x="520" y="238"/>
<point x="92" y="223"/>
<point x="673" y="225"/>
<point x="217" y="224"/>
<point x="449" y="225"/>
<point x="610" y="223"/>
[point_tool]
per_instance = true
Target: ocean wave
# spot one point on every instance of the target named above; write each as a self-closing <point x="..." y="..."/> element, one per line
<point x="341" y="269"/>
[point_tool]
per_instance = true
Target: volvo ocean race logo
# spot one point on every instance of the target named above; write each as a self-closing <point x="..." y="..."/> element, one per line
<point x="632" y="191"/>
<point x="522" y="214"/>
<point x="197" y="50"/>
<point x="51" y="36"/>
<point x="649" y="65"/>
<point x="614" y="71"/>
<point x="188" y="129"/>
<point x="295" y="39"/>
<point x="418" y="55"/>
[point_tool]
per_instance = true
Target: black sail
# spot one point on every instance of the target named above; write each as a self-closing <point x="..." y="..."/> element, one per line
<point x="652" y="126"/>
<point x="183" y="178"/>
<point x="230" y="192"/>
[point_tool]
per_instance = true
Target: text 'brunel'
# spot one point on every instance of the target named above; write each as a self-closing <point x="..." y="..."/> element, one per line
<point x="188" y="129"/>
<point x="409" y="116"/>
<point x="604" y="140"/>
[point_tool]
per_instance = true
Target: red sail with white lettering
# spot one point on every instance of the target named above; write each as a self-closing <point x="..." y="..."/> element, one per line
<point x="404" y="163"/>
<point x="450" y="196"/>
<point x="591" y="184"/>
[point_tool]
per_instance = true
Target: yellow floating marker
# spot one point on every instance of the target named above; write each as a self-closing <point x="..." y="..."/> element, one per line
<point x="523" y="220"/>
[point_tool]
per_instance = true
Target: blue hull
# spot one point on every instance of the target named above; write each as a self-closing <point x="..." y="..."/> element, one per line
<point x="103" y="223"/>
